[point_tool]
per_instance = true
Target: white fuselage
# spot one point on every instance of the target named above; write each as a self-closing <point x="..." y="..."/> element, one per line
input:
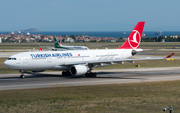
<point x="57" y="60"/>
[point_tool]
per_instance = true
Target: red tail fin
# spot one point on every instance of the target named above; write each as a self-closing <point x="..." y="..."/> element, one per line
<point x="134" y="39"/>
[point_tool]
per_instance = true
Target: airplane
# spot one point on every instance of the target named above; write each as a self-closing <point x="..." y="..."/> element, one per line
<point x="79" y="62"/>
<point x="59" y="46"/>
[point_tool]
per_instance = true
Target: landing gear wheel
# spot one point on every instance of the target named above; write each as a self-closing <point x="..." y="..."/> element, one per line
<point x="86" y="75"/>
<point x="66" y="73"/>
<point x="94" y="75"/>
<point x="90" y="74"/>
<point x="63" y="73"/>
<point x="22" y="76"/>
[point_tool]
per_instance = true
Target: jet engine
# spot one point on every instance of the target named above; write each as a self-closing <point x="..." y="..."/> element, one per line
<point x="78" y="70"/>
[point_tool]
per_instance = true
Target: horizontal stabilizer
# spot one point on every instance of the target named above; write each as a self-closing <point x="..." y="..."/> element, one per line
<point x="169" y="56"/>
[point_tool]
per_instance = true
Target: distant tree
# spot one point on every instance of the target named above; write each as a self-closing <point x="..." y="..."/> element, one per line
<point x="23" y="40"/>
<point x="63" y="40"/>
<point x="155" y="39"/>
<point x="120" y="39"/>
<point x="102" y="41"/>
<point x="3" y="40"/>
<point x="64" y="36"/>
<point x="93" y="41"/>
<point x="147" y="39"/>
<point x="73" y="37"/>
<point x="8" y="39"/>
<point x="178" y="39"/>
<point x="42" y="36"/>
<point x="160" y="38"/>
<point x="40" y="40"/>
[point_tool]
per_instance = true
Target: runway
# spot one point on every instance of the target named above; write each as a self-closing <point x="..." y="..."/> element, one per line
<point x="54" y="79"/>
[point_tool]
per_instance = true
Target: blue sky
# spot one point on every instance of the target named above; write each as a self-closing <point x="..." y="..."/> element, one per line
<point x="89" y="15"/>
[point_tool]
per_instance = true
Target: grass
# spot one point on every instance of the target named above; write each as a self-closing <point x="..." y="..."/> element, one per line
<point x="147" y="97"/>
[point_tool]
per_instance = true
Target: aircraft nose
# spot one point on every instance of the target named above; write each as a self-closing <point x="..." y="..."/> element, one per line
<point x="7" y="64"/>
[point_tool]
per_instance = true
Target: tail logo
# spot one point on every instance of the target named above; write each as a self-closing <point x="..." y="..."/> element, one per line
<point x="134" y="39"/>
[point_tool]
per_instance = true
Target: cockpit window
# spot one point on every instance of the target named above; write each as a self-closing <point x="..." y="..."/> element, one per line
<point x="11" y="58"/>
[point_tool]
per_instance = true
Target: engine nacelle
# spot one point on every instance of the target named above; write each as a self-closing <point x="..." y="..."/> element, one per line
<point x="78" y="70"/>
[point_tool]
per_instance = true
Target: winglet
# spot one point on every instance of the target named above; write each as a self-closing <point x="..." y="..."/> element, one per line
<point x="169" y="56"/>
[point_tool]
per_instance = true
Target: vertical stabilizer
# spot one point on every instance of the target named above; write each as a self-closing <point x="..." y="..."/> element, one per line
<point x="56" y="44"/>
<point x="134" y="39"/>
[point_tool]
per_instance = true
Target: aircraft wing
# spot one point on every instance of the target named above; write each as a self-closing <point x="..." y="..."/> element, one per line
<point x="101" y="62"/>
<point x="48" y="47"/>
<point x="52" y="48"/>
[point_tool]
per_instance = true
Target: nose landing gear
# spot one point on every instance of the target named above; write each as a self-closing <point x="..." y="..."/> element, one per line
<point x="22" y="74"/>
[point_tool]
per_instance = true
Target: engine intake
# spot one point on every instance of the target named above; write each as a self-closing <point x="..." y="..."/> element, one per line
<point x="78" y="70"/>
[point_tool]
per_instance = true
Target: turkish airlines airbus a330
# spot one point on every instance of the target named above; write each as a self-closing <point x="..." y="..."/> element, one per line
<point x="80" y="62"/>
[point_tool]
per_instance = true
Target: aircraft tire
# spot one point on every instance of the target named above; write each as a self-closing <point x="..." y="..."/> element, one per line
<point x="90" y="75"/>
<point x="22" y="76"/>
<point x="66" y="73"/>
<point x="94" y="74"/>
<point x="63" y="73"/>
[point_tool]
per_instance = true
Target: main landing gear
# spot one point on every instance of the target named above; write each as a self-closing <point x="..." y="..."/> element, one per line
<point x="22" y="74"/>
<point x="91" y="74"/>
<point x="66" y="73"/>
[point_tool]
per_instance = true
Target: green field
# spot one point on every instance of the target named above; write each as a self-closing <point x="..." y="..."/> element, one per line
<point x="147" y="97"/>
